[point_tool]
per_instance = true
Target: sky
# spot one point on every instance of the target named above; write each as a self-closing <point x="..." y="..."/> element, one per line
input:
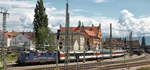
<point x="125" y="15"/>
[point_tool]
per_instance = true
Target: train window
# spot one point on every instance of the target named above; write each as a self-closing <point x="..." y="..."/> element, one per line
<point x="42" y="54"/>
<point x="72" y="54"/>
<point x="27" y="54"/>
<point x="81" y="54"/>
<point x="87" y="54"/>
<point x="55" y="53"/>
<point x="22" y="54"/>
<point x="49" y="53"/>
<point x="52" y="54"/>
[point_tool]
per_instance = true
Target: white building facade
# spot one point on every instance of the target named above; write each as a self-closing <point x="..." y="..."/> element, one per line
<point x="23" y="41"/>
<point x="5" y="38"/>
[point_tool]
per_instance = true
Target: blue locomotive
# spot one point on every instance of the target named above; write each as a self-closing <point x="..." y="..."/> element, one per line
<point x="34" y="57"/>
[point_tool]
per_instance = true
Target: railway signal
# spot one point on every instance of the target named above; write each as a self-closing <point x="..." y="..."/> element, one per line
<point x="58" y="45"/>
<point x="58" y="34"/>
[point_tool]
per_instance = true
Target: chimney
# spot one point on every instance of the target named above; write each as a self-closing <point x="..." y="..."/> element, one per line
<point x="82" y="24"/>
<point x="82" y="28"/>
<point x="99" y="25"/>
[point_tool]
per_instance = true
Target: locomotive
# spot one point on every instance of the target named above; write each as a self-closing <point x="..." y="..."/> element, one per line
<point x="34" y="57"/>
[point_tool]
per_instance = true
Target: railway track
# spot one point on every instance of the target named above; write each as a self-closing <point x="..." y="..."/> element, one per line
<point x="95" y="65"/>
<point x="128" y="65"/>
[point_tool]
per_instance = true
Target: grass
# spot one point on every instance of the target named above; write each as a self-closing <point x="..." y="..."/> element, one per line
<point x="10" y="57"/>
<point x="144" y="69"/>
<point x="1" y="68"/>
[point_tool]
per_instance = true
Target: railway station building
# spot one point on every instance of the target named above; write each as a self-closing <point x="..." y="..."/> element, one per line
<point x="82" y="37"/>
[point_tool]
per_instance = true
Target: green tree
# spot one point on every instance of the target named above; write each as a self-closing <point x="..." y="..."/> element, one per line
<point x="40" y="23"/>
<point x="52" y="43"/>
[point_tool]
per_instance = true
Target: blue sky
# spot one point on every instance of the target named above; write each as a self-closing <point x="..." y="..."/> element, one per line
<point x="125" y="15"/>
<point x="108" y="8"/>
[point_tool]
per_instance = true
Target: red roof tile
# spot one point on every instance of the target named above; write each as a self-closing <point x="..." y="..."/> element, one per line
<point x="29" y="35"/>
<point x="90" y="31"/>
<point x="9" y="34"/>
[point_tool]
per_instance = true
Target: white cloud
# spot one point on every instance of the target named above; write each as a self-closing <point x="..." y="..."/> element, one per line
<point x="55" y="21"/>
<point x="10" y="4"/>
<point x="137" y="25"/>
<point x="21" y="14"/>
<point x="121" y="27"/>
<point x="126" y="13"/>
<point x="100" y="1"/>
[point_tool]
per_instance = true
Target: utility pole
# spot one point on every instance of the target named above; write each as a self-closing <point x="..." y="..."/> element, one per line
<point x="100" y="49"/>
<point x="110" y="41"/>
<point x="67" y="36"/>
<point x="130" y="42"/>
<point x="125" y="46"/>
<point x="57" y="56"/>
<point x="4" y="52"/>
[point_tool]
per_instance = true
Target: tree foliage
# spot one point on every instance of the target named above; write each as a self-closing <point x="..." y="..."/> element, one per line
<point x="40" y="23"/>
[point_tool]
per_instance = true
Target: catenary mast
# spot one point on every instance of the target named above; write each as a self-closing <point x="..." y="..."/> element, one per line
<point x="4" y="52"/>
<point x="67" y="36"/>
<point x="110" y="41"/>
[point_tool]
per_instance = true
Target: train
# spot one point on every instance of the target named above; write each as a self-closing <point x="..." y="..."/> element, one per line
<point x="42" y="57"/>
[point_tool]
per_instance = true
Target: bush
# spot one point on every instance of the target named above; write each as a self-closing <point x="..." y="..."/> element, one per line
<point x="12" y="57"/>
